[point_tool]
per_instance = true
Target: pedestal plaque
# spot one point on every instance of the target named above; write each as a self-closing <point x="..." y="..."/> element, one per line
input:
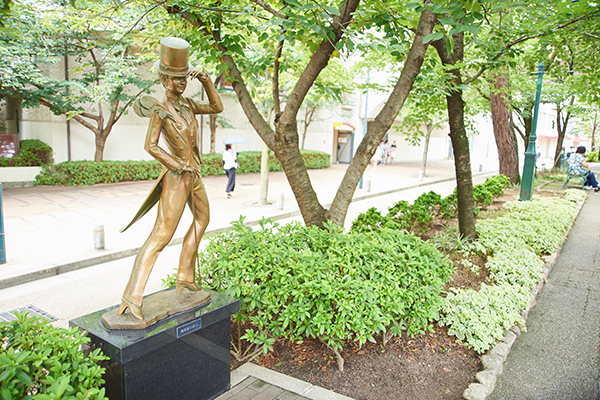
<point x="183" y="357"/>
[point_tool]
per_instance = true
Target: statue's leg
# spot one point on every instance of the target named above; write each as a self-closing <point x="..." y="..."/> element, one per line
<point x="198" y="204"/>
<point x="170" y="209"/>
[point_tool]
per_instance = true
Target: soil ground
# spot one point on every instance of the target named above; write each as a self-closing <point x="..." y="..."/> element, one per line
<point x="433" y="365"/>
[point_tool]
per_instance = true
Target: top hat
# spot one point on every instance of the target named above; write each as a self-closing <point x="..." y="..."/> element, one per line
<point x="174" y="56"/>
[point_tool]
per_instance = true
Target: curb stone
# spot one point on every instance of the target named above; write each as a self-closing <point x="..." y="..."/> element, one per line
<point x="493" y="360"/>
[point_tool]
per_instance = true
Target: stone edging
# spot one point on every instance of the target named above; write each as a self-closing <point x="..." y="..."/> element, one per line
<point x="493" y="361"/>
<point x="293" y="385"/>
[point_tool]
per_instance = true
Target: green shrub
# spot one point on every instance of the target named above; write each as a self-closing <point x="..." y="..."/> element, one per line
<point x="592" y="156"/>
<point x="40" y="361"/>
<point x="480" y="317"/>
<point x="540" y="223"/>
<point x="76" y="173"/>
<point x="295" y="281"/>
<point x="427" y="207"/>
<point x="32" y="153"/>
<point x="370" y="221"/>
<point x="514" y="241"/>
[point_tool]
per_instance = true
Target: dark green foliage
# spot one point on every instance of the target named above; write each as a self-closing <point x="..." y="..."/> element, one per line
<point x="32" y="153"/>
<point x="417" y="216"/>
<point x="76" y="173"/>
<point x="370" y="221"/>
<point x="41" y="360"/>
<point x="311" y="282"/>
<point x="482" y="196"/>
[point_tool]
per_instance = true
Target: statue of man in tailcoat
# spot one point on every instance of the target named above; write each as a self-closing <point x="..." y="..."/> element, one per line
<point x="180" y="182"/>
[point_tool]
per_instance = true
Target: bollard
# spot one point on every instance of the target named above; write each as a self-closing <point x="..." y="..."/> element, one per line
<point x="421" y="175"/>
<point x="279" y="202"/>
<point x="2" y="240"/>
<point x="480" y="167"/>
<point x="99" y="237"/>
<point x="368" y="185"/>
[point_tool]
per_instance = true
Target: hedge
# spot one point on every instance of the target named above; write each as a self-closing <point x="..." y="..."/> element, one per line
<point x="32" y="153"/>
<point x="74" y="173"/>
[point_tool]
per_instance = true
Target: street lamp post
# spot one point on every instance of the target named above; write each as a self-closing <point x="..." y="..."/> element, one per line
<point x="531" y="153"/>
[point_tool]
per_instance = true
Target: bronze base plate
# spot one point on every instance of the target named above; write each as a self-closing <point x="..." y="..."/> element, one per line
<point x="156" y="307"/>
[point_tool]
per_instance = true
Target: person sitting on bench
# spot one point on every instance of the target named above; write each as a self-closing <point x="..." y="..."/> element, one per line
<point x="578" y="166"/>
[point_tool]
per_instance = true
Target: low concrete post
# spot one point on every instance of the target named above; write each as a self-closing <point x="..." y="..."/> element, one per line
<point x="279" y="202"/>
<point x="99" y="237"/>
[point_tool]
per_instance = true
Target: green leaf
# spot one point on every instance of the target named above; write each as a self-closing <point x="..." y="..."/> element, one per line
<point x="447" y="21"/>
<point x="433" y="37"/>
<point x="332" y="10"/>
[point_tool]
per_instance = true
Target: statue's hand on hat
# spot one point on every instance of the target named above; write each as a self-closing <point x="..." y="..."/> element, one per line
<point x="201" y="76"/>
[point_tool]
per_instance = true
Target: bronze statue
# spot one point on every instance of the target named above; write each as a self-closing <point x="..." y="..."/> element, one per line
<point x="180" y="181"/>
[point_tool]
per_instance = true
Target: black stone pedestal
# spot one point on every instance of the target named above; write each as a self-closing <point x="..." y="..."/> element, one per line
<point x="183" y="357"/>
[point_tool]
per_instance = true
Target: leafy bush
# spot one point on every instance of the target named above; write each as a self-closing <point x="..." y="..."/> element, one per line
<point x="483" y="195"/>
<point x="515" y="266"/>
<point x="295" y="281"/>
<point x="43" y="362"/>
<point x="540" y="223"/>
<point x="370" y="221"/>
<point x="481" y="317"/>
<point x="592" y="156"/>
<point x="427" y="207"/>
<point x="32" y="153"/>
<point x="75" y="173"/>
<point x="574" y="195"/>
<point x="514" y="242"/>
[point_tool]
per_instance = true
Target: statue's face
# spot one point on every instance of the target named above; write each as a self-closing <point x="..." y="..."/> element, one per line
<point x="175" y="84"/>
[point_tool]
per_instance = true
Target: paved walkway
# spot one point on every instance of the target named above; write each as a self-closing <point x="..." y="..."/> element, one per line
<point x="558" y="357"/>
<point x="53" y="266"/>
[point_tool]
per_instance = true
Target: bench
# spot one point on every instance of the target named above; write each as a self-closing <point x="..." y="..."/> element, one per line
<point x="582" y="177"/>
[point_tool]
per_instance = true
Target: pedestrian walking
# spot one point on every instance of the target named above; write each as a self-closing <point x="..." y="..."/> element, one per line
<point x="392" y="152"/>
<point x="230" y="164"/>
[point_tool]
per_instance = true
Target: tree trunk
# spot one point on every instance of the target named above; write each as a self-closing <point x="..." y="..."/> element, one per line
<point x="384" y="120"/>
<point x="561" y="129"/>
<point x="213" y="132"/>
<point x="100" y="143"/>
<point x="458" y="136"/>
<point x="284" y="140"/>
<point x="429" y="128"/>
<point x="462" y="165"/>
<point x="504" y="133"/>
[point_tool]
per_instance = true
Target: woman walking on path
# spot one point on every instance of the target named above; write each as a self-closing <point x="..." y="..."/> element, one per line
<point x="229" y="165"/>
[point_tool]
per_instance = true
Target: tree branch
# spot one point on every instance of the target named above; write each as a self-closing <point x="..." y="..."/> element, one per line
<point x="269" y="9"/>
<point x="319" y="60"/>
<point x="275" y="80"/>
<point x="520" y="40"/>
<point x="85" y="123"/>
